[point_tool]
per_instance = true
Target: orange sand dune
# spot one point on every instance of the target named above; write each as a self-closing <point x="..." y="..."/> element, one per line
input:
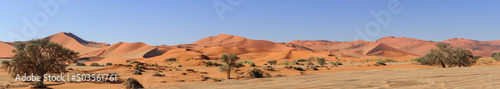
<point x="219" y="50"/>
<point x="6" y="50"/>
<point x="410" y="45"/>
<point x="480" y="48"/>
<point x="73" y="42"/>
<point x="240" y="42"/>
<point x="123" y="50"/>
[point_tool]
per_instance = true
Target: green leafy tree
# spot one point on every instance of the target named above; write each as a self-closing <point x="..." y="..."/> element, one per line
<point x="229" y="63"/>
<point x="496" y="56"/>
<point x="445" y="55"/>
<point x="40" y="57"/>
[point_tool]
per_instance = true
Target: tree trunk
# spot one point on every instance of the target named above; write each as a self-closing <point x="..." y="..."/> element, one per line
<point x="228" y="74"/>
<point x="442" y="64"/>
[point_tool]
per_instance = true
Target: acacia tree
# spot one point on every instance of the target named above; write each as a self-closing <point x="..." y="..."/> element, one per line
<point x="445" y="55"/>
<point x="321" y="61"/>
<point x="496" y="56"/>
<point x="228" y="63"/>
<point x="310" y="62"/>
<point x="40" y="57"/>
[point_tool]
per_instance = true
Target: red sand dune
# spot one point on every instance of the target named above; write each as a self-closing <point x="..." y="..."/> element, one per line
<point x="6" y="50"/>
<point x="219" y="50"/>
<point x="73" y="42"/>
<point x="123" y="50"/>
<point x="240" y="42"/>
<point x="480" y="48"/>
<point x="421" y="47"/>
<point x="410" y="45"/>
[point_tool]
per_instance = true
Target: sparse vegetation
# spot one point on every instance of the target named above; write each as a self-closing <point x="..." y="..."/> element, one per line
<point x="445" y="55"/>
<point x="109" y="64"/>
<point x="132" y="83"/>
<point x="171" y="59"/>
<point x="158" y="74"/>
<point x="80" y="64"/>
<point x="321" y="61"/>
<point x="250" y="63"/>
<point x="298" y="68"/>
<point x="286" y="63"/>
<point x="229" y="62"/>
<point x="301" y="60"/>
<point x="496" y="56"/>
<point x="272" y="62"/>
<point x="94" y="64"/>
<point x="256" y="73"/>
<point x="28" y="59"/>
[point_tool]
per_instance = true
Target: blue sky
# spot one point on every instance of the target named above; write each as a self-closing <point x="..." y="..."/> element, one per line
<point x="172" y="22"/>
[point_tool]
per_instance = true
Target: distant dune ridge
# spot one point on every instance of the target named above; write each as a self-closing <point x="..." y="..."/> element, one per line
<point x="214" y="46"/>
<point x="6" y="50"/>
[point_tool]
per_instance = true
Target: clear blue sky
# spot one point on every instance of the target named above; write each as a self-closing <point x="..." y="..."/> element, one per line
<point x="172" y="22"/>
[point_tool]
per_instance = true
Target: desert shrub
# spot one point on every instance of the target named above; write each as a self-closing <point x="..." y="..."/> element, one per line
<point x="179" y="65"/>
<point x="251" y="63"/>
<point x="310" y="62"/>
<point x="137" y="72"/>
<point x="256" y="73"/>
<point x="171" y="59"/>
<point x="158" y="74"/>
<point x="5" y="62"/>
<point x="301" y="60"/>
<point x="80" y="64"/>
<point x="272" y="62"/>
<point x="109" y="64"/>
<point x="379" y="61"/>
<point x="321" y="61"/>
<point x="293" y="62"/>
<point x="445" y="55"/>
<point x="132" y="83"/>
<point x="315" y="68"/>
<point x="94" y="64"/>
<point x="286" y="63"/>
<point x="337" y="63"/>
<point x="496" y="56"/>
<point x="298" y="68"/>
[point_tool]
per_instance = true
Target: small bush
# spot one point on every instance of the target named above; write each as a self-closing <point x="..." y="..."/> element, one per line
<point x="109" y="64"/>
<point x="80" y="64"/>
<point x="94" y="64"/>
<point x="132" y="83"/>
<point x="298" y="68"/>
<point x="337" y="63"/>
<point x="179" y="66"/>
<point x="273" y="62"/>
<point x="294" y="62"/>
<point x="158" y="74"/>
<point x="137" y="72"/>
<point x="256" y="73"/>
<point x="251" y="64"/>
<point x="301" y="60"/>
<point x="171" y="59"/>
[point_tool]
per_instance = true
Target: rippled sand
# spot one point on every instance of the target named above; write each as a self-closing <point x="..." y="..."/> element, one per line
<point x="462" y="78"/>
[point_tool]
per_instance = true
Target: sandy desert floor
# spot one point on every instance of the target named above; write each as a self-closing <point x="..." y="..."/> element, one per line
<point x="484" y="77"/>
